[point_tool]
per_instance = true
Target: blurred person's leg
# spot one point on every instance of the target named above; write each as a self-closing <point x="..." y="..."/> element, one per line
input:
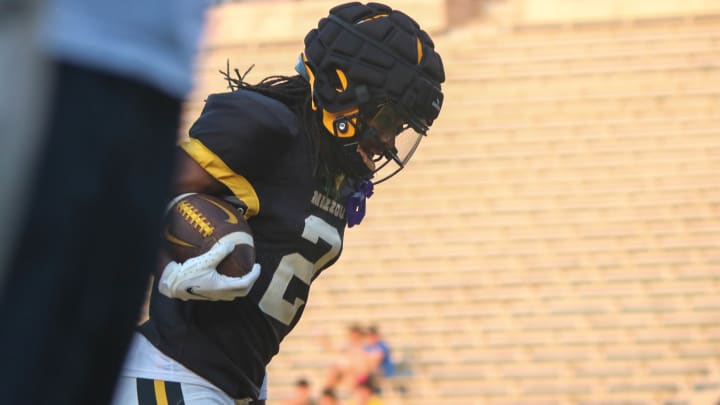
<point x="87" y="246"/>
<point x="23" y="100"/>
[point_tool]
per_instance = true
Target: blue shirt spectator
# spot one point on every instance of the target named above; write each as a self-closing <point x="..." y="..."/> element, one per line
<point x="379" y="353"/>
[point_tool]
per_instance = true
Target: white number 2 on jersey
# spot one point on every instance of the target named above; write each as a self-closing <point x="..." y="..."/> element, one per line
<point x="295" y="265"/>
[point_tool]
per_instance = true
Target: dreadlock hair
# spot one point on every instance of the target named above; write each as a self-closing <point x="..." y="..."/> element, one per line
<point x="294" y="92"/>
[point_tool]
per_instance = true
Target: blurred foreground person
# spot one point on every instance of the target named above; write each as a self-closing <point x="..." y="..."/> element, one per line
<point x="23" y="80"/>
<point x="297" y="156"/>
<point x="87" y="240"/>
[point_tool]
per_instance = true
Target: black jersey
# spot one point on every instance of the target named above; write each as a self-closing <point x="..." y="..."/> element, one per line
<point x="254" y="145"/>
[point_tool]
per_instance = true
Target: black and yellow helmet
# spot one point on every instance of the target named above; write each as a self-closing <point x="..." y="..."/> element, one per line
<point x="365" y="56"/>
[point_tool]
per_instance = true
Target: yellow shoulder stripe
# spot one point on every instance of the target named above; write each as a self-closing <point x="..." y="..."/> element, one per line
<point x="238" y="184"/>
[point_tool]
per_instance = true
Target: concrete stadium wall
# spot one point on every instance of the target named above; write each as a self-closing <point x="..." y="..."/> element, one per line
<point x="283" y="21"/>
<point x="553" y="11"/>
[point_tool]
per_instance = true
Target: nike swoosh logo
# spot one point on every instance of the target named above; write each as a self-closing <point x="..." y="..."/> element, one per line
<point x="232" y="219"/>
<point x="190" y="291"/>
<point x="173" y="239"/>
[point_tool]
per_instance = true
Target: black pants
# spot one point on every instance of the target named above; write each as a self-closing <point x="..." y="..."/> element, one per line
<point x="88" y="241"/>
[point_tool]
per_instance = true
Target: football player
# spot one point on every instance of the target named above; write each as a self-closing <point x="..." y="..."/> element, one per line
<point x="298" y="156"/>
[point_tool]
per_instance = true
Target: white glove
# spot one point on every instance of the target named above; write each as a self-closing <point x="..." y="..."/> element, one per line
<point x="198" y="279"/>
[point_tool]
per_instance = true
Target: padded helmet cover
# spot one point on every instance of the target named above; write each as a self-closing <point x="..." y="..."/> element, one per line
<point x="384" y="56"/>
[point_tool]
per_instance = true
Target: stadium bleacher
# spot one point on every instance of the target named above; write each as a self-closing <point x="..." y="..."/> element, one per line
<point x="556" y="238"/>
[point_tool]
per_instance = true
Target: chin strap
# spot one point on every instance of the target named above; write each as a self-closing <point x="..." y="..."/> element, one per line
<point x="355" y="205"/>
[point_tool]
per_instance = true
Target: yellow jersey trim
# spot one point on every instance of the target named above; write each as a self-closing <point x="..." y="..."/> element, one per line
<point x="212" y="163"/>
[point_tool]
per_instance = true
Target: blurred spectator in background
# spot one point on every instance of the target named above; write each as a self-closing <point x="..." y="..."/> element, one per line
<point x="364" y="393"/>
<point x="352" y="364"/>
<point x="301" y="395"/>
<point x="378" y="354"/>
<point x="328" y="397"/>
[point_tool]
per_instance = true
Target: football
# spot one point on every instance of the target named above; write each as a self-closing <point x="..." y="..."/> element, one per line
<point x="195" y="222"/>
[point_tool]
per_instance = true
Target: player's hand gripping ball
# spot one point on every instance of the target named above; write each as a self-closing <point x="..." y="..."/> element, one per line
<point x="196" y="222"/>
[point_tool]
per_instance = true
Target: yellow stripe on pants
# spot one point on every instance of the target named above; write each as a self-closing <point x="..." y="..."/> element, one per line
<point x="160" y="394"/>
